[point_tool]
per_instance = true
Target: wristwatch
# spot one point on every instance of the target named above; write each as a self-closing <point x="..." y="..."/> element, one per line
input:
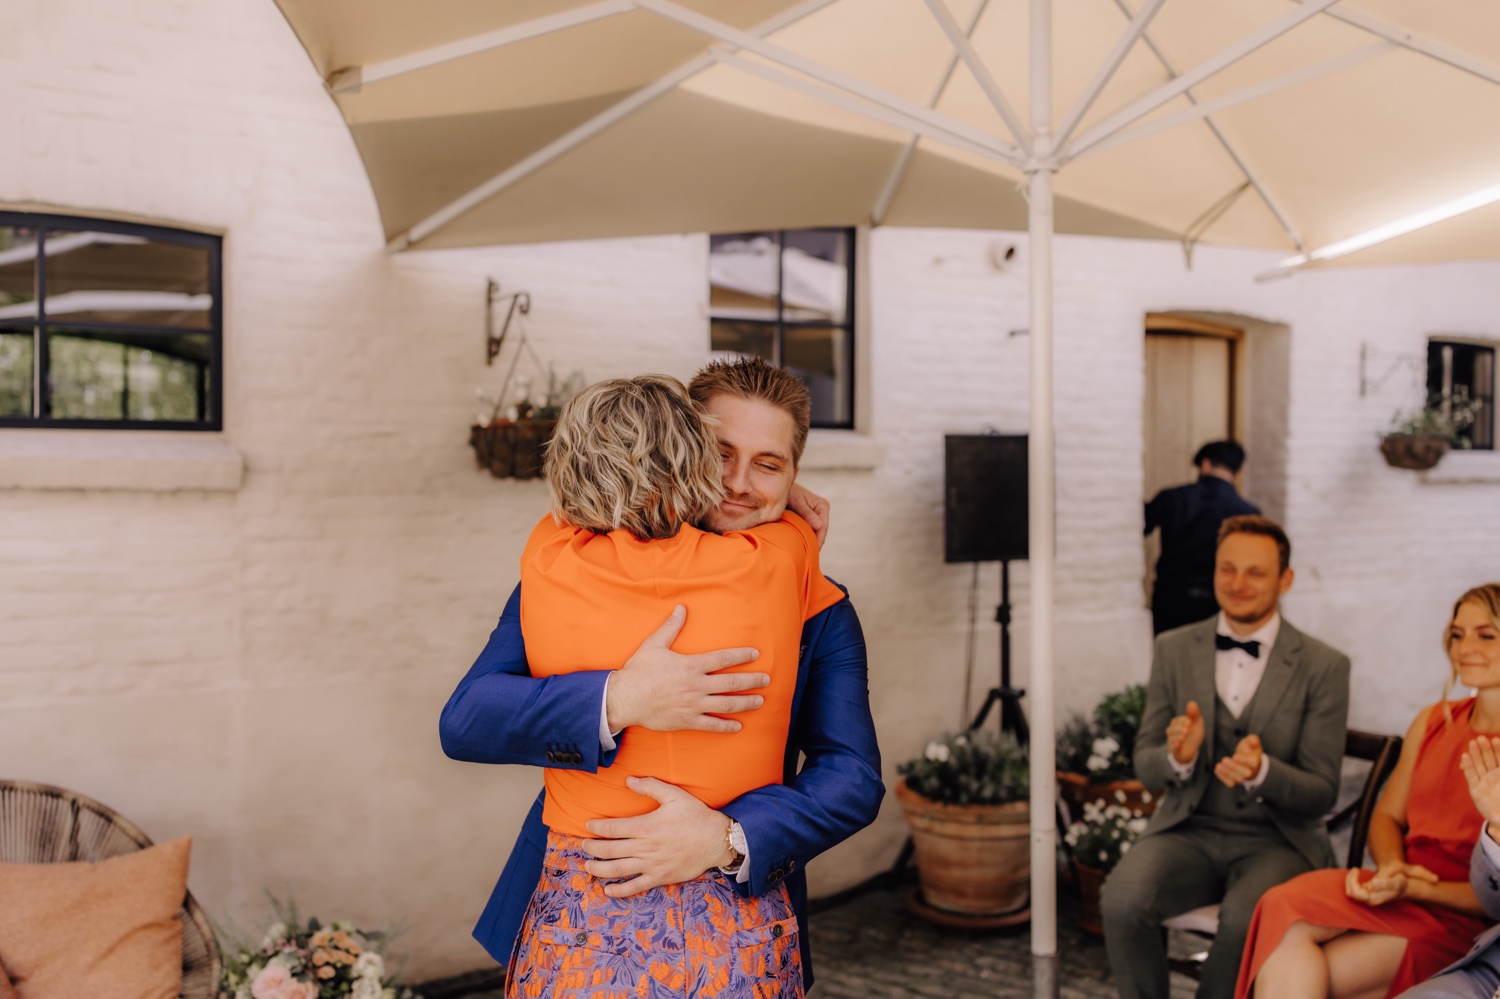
<point x="735" y="837"/>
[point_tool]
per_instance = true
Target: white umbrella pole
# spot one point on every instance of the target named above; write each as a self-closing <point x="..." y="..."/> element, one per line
<point x="1041" y="530"/>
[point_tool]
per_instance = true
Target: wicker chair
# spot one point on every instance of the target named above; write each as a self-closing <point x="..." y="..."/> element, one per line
<point x="46" y="825"/>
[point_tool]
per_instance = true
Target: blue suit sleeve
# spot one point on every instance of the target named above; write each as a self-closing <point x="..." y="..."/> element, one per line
<point x="838" y="790"/>
<point x="500" y="713"/>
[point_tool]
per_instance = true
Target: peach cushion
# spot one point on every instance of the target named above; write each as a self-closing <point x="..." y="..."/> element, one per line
<point x="107" y="931"/>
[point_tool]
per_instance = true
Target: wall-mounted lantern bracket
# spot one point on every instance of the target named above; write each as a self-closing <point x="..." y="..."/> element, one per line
<point x="519" y="301"/>
<point x="1370" y="383"/>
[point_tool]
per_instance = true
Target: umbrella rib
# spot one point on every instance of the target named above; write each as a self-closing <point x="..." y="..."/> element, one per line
<point x="349" y="80"/>
<point x="1229" y="148"/>
<point x="604" y="119"/>
<point x="825" y="74"/>
<point x="1418" y="44"/>
<point x="1107" y="70"/>
<point x="965" y="48"/>
<point x="903" y="162"/>
<point x="1226" y="58"/>
<point x="850" y="102"/>
<point x="1235" y="98"/>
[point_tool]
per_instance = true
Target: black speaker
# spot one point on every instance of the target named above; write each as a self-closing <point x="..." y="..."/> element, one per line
<point x="984" y="512"/>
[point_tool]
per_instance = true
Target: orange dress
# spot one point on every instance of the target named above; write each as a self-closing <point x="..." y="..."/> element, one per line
<point x="587" y="601"/>
<point x="1442" y="827"/>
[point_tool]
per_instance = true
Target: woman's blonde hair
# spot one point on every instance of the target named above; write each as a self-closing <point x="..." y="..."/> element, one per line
<point x="1488" y="598"/>
<point x="634" y="453"/>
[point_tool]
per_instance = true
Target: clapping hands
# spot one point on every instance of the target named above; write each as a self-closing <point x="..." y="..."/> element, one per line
<point x="1481" y="767"/>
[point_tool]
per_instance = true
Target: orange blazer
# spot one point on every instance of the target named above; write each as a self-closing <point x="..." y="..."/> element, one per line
<point x="587" y="602"/>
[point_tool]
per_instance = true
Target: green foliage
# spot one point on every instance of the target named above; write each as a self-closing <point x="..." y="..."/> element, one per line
<point x="1451" y="418"/>
<point x="970" y="768"/>
<point x="1101" y="750"/>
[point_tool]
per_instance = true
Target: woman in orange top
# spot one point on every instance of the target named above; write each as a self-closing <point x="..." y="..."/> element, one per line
<point x="1361" y="933"/>
<point x="631" y="467"/>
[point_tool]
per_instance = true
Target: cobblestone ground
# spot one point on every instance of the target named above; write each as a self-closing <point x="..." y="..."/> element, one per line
<point x="873" y="948"/>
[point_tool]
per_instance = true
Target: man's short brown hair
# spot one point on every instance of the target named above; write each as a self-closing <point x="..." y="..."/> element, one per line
<point x="1250" y="523"/>
<point x="753" y="378"/>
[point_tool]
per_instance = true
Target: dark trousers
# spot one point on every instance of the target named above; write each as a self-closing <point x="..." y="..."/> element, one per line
<point x="1172" y="872"/>
<point x="1175" y="608"/>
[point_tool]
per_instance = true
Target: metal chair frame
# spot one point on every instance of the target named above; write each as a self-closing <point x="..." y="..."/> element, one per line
<point x="41" y="824"/>
<point x="1382" y="751"/>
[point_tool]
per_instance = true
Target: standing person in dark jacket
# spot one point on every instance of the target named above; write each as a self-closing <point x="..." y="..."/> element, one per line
<point x="1189" y="517"/>
<point x="502" y="714"/>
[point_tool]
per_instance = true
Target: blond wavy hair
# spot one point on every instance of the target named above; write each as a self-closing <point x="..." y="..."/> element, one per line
<point x="1488" y="598"/>
<point x="634" y="453"/>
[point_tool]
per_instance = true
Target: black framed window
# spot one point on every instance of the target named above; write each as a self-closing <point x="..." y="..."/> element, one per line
<point x="788" y="296"/>
<point x="109" y="325"/>
<point x="1461" y="385"/>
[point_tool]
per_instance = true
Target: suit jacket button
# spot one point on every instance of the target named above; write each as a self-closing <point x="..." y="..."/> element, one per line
<point x="581" y="937"/>
<point x="791" y="865"/>
<point x="551" y="756"/>
<point x="777" y="931"/>
<point x="577" y="757"/>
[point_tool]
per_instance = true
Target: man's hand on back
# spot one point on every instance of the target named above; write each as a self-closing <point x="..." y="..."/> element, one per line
<point x="670" y="692"/>
<point x="677" y="842"/>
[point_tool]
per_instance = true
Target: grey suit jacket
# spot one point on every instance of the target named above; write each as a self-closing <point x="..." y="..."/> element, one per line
<point x="1300" y="713"/>
<point x="1484" y="878"/>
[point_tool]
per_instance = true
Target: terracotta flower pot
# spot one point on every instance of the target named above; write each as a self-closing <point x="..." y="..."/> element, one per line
<point x="1090" y="881"/>
<point x="1076" y="790"/>
<point x="971" y="859"/>
<point x="512" y="449"/>
<point x="1417" y="452"/>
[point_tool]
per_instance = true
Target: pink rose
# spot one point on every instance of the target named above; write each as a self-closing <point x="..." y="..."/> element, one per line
<point x="300" y="990"/>
<point x="271" y="983"/>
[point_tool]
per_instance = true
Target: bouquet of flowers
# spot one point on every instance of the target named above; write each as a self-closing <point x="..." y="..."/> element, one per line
<point x="308" y="960"/>
<point x="1105" y="833"/>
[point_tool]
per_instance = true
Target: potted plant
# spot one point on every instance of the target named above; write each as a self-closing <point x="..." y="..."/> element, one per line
<point x="1094" y="758"/>
<point x="1418" y="439"/>
<point x="1097" y="842"/>
<point x="966" y="798"/>
<point x="515" y="446"/>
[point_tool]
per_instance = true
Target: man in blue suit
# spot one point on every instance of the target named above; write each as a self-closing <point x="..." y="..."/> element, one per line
<point x="501" y="714"/>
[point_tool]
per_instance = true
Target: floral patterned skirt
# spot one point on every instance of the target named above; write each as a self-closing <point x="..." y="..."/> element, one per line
<point x="698" y="938"/>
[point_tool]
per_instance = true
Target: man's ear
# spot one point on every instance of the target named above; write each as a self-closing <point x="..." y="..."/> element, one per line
<point x="1286" y="579"/>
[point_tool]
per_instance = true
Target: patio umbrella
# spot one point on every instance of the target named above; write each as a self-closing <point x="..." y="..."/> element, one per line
<point x="1362" y="131"/>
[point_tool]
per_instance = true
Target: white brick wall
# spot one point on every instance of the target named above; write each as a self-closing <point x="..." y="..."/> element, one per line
<point x="264" y="668"/>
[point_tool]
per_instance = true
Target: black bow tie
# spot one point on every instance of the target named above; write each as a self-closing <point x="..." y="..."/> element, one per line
<point x="1225" y="642"/>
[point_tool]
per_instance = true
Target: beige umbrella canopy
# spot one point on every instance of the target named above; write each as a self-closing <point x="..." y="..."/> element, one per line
<point x="1362" y="131"/>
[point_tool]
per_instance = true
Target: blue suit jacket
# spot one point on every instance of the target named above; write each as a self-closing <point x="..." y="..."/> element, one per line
<point x="502" y="714"/>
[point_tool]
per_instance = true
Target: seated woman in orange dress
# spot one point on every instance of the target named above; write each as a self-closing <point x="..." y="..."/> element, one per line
<point x="1352" y="933"/>
<point x="631" y="467"/>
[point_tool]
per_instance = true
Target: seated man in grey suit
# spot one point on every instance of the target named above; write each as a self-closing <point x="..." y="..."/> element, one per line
<point x="1477" y="976"/>
<point x="1244" y="727"/>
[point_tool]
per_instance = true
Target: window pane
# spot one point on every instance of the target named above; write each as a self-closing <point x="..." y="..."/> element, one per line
<point x="16" y="375"/>
<point x="98" y="375"/>
<point x="815" y="276"/>
<point x="742" y="276"/>
<point x="17" y="272"/>
<point x="819" y="355"/>
<point x="758" y="339"/>
<point x="113" y="278"/>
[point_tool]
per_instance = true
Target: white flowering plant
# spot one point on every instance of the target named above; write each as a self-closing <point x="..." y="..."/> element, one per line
<point x="1105" y="832"/>
<point x="297" y="959"/>
<point x="970" y="768"/>
<point x="1102" y="749"/>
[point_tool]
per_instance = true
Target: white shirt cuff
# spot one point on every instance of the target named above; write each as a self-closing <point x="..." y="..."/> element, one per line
<point x="1490" y="847"/>
<point x="606" y="737"/>
<point x="1184" y="771"/>
<point x="1260" y="775"/>
<point x="737" y="838"/>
